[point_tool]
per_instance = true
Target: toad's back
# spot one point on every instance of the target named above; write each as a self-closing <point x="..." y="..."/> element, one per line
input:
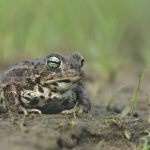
<point x="21" y="69"/>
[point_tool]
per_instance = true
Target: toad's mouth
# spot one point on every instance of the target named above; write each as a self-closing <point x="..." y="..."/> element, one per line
<point x="62" y="80"/>
<point x="66" y="80"/>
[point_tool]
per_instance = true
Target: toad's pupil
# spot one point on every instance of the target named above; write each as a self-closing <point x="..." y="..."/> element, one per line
<point x="54" y="60"/>
<point x="53" y="64"/>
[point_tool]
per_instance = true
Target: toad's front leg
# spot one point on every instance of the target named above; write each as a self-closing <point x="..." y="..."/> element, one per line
<point x="84" y="104"/>
<point x="82" y="100"/>
<point x="26" y="111"/>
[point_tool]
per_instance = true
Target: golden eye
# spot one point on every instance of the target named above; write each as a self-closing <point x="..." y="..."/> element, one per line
<point x="53" y="62"/>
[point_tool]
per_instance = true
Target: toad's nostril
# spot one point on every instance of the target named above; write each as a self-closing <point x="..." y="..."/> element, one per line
<point x="71" y="66"/>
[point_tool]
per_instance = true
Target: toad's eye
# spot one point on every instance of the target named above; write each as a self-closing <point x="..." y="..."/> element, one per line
<point x="82" y="62"/>
<point x="53" y="62"/>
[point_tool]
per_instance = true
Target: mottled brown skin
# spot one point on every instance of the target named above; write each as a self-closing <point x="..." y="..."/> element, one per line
<point x="33" y="86"/>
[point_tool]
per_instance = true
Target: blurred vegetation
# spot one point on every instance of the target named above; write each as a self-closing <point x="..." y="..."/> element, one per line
<point x="109" y="33"/>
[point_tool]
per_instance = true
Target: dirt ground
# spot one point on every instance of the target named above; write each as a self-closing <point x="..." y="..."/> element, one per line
<point x="101" y="129"/>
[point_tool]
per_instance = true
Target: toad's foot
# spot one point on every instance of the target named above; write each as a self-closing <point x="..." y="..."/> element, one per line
<point x="27" y="111"/>
<point x="34" y="111"/>
<point x="70" y="111"/>
<point x="80" y="109"/>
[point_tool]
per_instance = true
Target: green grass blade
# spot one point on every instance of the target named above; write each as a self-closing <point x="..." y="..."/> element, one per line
<point x="137" y="93"/>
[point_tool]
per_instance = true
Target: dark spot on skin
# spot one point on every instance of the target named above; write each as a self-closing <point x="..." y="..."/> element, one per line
<point x="55" y="84"/>
<point x="49" y="94"/>
<point x="40" y="89"/>
<point x="66" y="81"/>
<point x="46" y="85"/>
<point x="27" y="98"/>
<point x="37" y="80"/>
<point x="34" y="101"/>
<point x="29" y="94"/>
<point x="54" y="97"/>
<point x="42" y="97"/>
<point x="54" y="90"/>
<point x="74" y="82"/>
<point x="65" y="103"/>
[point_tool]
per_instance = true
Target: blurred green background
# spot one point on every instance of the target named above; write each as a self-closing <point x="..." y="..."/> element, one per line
<point x="109" y="33"/>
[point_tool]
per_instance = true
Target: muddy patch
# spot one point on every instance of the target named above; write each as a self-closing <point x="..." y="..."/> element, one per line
<point x="86" y="131"/>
